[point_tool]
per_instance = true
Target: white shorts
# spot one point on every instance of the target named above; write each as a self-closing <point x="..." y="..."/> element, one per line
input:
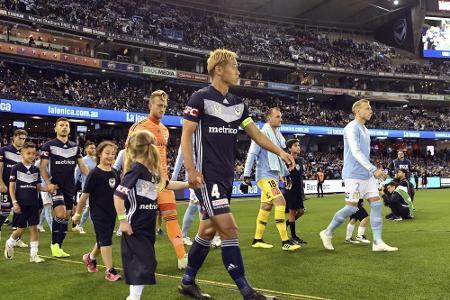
<point x="46" y="198"/>
<point x="356" y="189"/>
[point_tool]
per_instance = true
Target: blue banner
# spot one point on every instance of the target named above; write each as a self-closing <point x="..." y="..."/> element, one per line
<point x="56" y="110"/>
<point x="86" y="113"/>
<point x="436" y="53"/>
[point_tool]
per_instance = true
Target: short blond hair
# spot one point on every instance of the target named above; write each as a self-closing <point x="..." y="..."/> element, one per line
<point x="358" y="103"/>
<point x="218" y="57"/>
<point x="159" y="93"/>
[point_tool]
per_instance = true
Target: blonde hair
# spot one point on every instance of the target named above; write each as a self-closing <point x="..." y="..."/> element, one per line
<point x="159" y="93"/>
<point x="358" y="103"/>
<point x="219" y="57"/>
<point x="142" y="147"/>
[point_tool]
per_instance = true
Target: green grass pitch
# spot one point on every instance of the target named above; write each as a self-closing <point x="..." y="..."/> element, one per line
<point x="419" y="270"/>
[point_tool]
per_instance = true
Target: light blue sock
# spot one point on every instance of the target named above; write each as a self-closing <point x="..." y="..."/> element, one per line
<point x="48" y="215"/>
<point x="340" y="217"/>
<point x="188" y="218"/>
<point x="85" y="216"/>
<point x="376" y="220"/>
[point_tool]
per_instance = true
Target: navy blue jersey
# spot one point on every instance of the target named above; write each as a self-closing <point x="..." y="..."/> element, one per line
<point x="62" y="162"/>
<point x="404" y="164"/>
<point x="26" y="179"/>
<point x="9" y="156"/>
<point x="101" y="186"/>
<point x="296" y="175"/>
<point x="218" y="118"/>
<point x="139" y="189"/>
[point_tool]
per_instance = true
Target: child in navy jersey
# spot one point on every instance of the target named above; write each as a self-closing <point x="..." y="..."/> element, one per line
<point x="24" y="185"/>
<point x="99" y="188"/>
<point x="136" y="206"/>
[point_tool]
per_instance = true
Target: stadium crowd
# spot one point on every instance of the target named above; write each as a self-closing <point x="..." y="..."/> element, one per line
<point x="33" y="84"/>
<point x="260" y="40"/>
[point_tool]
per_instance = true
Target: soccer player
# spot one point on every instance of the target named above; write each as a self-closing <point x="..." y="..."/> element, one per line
<point x="359" y="178"/>
<point x="24" y="186"/>
<point x="166" y="199"/>
<point x="293" y="191"/>
<point x="99" y="188"/>
<point x="46" y="198"/>
<point x="136" y="206"/>
<point x="320" y="177"/>
<point x="269" y="169"/>
<point x="213" y="116"/>
<point x="194" y="205"/>
<point x="90" y="161"/>
<point x="9" y="157"/>
<point x="59" y="158"/>
<point x="363" y="217"/>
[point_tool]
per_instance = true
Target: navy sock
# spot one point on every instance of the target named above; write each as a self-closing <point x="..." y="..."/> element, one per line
<point x="232" y="259"/>
<point x="197" y="255"/>
<point x="55" y="231"/>
<point x="63" y="231"/>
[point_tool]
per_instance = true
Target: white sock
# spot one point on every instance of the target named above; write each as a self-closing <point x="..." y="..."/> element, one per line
<point x="91" y="256"/>
<point x="136" y="292"/>
<point x="350" y="228"/>
<point x="11" y="242"/>
<point x="361" y="230"/>
<point x="34" y="248"/>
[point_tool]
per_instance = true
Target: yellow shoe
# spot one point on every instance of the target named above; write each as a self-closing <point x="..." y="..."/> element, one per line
<point x="289" y="246"/>
<point x="55" y="250"/>
<point x="261" y="244"/>
<point x="63" y="254"/>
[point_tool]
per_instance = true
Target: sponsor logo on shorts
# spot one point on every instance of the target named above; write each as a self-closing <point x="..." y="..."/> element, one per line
<point x="65" y="162"/>
<point x="220" y="203"/>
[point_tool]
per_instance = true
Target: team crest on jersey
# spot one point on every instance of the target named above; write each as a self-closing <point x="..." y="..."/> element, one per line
<point x="217" y="109"/>
<point x="166" y="136"/>
<point x="112" y="182"/>
<point x="237" y="110"/>
<point x="297" y="167"/>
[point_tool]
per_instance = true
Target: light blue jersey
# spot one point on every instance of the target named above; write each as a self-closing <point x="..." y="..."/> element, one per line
<point x="263" y="169"/>
<point x="178" y="164"/>
<point x="357" y="163"/>
<point x="118" y="164"/>
<point x="91" y="163"/>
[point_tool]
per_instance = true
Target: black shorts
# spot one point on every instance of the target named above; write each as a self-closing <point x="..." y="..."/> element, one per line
<point x="61" y="197"/>
<point x="214" y="198"/>
<point x="360" y="215"/>
<point x="138" y="259"/>
<point x="28" y="216"/>
<point x="293" y="200"/>
<point x="5" y="203"/>
<point x="104" y="229"/>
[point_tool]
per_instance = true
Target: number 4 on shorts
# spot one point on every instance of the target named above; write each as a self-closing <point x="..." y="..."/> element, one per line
<point x="215" y="191"/>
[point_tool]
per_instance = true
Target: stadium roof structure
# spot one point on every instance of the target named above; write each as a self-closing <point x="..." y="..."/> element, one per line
<point x="350" y="14"/>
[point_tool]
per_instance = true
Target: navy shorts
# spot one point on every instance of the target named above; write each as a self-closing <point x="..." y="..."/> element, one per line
<point x="104" y="229"/>
<point x="360" y="215"/>
<point x="5" y="202"/>
<point x="138" y="259"/>
<point x="28" y="216"/>
<point x="61" y="197"/>
<point x="293" y="200"/>
<point x="214" y="198"/>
